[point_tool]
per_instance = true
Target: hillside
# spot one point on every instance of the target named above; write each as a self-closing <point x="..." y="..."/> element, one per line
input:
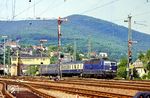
<point x="103" y="35"/>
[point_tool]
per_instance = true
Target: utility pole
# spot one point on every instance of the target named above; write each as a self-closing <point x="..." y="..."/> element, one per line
<point x="19" y="62"/>
<point x="75" y="50"/>
<point x="13" y="8"/>
<point x="89" y="47"/>
<point x="129" y="44"/>
<point x="60" y="20"/>
<point x="9" y="63"/>
<point x="4" y="63"/>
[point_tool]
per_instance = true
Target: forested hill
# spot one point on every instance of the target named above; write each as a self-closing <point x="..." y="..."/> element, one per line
<point x="101" y="35"/>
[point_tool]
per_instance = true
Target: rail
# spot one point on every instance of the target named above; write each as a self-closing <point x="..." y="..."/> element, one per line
<point x="37" y="92"/>
<point x="84" y="92"/>
<point x="34" y="90"/>
<point x="5" y="92"/>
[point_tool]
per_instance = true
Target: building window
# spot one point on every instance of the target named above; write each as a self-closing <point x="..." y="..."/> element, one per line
<point x="14" y="59"/>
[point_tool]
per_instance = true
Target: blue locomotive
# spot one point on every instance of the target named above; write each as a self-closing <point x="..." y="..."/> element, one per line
<point x="98" y="68"/>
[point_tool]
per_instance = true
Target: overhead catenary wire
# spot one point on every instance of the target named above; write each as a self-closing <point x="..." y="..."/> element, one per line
<point x="51" y="7"/>
<point x="36" y="3"/>
<point x="52" y="3"/>
<point x="101" y="6"/>
<point x="141" y="14"/>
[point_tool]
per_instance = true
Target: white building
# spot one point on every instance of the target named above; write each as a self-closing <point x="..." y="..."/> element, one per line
<point x="139" y="67"/>
<point x="103" y="55"/>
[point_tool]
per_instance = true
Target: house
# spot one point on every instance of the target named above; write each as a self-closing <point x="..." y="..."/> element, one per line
<point x="103" y="55"/>
<point x="12" y="44"/>
<point x="138" y="65"/>
<point x="27" y="59"/>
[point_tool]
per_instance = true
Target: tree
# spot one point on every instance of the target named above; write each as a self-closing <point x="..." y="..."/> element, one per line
<point x="54" y="59"/>
<point x="69" y="49"/>
<point x="141" y="56"/>
<point x="123" y="62"/>
<point x="148" y="55"/>
<point x="52" y="48"/>
<point x="121" y="72"/>
<point x="32" y="70"/>
<point x="146" y="62"/>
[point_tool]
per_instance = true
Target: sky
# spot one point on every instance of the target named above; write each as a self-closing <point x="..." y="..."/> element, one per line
<point x="115" y="11"/>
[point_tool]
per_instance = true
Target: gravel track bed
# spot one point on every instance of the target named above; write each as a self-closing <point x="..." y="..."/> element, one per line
<point x="60" y="94"/>
<point x="102" y="89"/>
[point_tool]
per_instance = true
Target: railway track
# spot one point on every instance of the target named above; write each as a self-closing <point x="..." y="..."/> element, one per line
<point x="134" y="85"/>
<point x="31" y="93"/>
<point x="72" y="90"/>
<point x="112" y="84"/>
<point x="83" y="92"/>
<point x="76" y="87"/>
<point x="5" y="92"/>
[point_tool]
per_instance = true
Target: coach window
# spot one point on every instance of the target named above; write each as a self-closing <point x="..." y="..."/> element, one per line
<point x="78" y="66"/>
<point x="74" y="66"/>
<point x="71" y="66"/>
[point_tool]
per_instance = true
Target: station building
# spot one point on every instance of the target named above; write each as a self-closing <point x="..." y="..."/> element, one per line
<point x="25" y="60"/>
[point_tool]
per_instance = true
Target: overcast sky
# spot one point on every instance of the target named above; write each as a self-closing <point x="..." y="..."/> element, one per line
<point x="115" y="11"/>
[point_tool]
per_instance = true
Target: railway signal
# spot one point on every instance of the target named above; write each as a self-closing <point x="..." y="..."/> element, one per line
<point x="60" y="20"/>
<point x="129" y="44"/>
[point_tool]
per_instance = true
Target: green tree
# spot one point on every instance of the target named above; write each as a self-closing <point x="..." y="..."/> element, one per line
<point x="32" y="70"/>
<point x="54" y="59"/>
<point x="78" y="56"/>
<point x="121" y="72"/>
<point x="69" y="49"/>
<point x="146" y="60"/>
<point x="52" y="48"/>
<point x="148" y="55"/>
<point x="123" y="62"/>
<point x="141" y="56"/>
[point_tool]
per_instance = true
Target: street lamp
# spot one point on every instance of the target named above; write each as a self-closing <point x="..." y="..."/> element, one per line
<point x="60" y="20"/>
<point x="4" y="66"/>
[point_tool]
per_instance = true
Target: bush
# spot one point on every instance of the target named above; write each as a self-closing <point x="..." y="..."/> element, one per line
<point x="144" y="76"/>
<point x="122" y="72"/>
<point x="148" y="76"/>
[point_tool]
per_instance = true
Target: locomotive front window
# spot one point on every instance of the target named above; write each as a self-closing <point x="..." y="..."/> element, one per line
<point x="113" y="64"/>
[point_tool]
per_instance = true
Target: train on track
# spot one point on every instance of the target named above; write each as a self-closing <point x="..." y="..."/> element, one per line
<point x="94" y="68"/>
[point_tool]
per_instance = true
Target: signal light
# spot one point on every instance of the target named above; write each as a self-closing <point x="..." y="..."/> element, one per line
<point x="61" y="55"/>
<point x="130" y="59"/>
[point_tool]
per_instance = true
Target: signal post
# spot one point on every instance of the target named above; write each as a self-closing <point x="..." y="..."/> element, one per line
<point x="60" y="20"/>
